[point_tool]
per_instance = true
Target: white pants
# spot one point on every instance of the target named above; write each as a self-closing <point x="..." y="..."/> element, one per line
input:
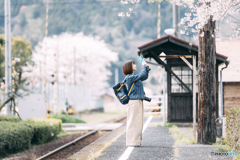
<point x="134" y="122"/>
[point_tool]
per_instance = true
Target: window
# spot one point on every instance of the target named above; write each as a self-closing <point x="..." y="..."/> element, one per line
<point x="185" y="74"/>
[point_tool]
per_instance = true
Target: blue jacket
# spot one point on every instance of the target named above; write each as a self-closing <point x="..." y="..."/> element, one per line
<point x="137" y="91"/>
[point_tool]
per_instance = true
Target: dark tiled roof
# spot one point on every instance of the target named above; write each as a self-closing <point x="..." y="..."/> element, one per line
<point x="169" y="36"/>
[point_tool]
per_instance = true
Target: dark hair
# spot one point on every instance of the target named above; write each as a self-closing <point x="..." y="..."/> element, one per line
<point x="127" y="67"/>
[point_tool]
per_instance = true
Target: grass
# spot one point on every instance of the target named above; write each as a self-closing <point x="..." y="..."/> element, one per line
<point x="176" y="152"/>
<point x="224" y="148"/>
<point x="227" y="148"/>
<point x="179" y="136"/>
<point x="237" y="157"/>
<point x="101" y="117"/>
<point x="68" y="118"/>
<point x="218" y="142"/>
<point x="167" y="125"/>
<point x="62" y="133"/>
<point x="182" y="138"/>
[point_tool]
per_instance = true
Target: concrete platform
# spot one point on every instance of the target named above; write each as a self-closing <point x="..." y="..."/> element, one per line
<point x="157" y="144"/>
<point x="90" y="126"/>
<point x="96" y="148"/>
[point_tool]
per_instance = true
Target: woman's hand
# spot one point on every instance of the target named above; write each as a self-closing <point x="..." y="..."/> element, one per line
<point x="144" y="62"/>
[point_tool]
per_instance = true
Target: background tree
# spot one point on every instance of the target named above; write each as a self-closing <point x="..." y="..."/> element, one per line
<point x="197" y="16"/>
<point x="95" y="18"/>
<point x="82" y="60"/>
<point x="14" y="92"/>
<point x="21" y="48"/>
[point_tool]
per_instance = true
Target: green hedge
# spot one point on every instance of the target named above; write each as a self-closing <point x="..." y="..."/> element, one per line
<point x="232" y="129"/>
<point x="9" y="118"/>
<point x="19" y="135"/>
<point x="44" y="129"/>
<point x="51" y="121"/>
<point x="14" y="137"/>
<point x="68" y="119"/>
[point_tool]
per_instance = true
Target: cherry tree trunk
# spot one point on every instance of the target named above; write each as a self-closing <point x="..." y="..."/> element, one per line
<point x="207" y="85"/>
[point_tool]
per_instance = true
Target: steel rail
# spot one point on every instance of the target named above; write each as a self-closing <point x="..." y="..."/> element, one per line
<point x="68" y="144"/>
<point x="74" y="141"/>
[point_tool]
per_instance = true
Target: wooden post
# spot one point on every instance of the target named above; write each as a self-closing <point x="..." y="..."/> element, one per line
<point x="194" y="97"/>
<point x="169" y="83"/>
<point x="186" y="61"/>
<point x="207" y="85"/>
<point x="164" y="96"/>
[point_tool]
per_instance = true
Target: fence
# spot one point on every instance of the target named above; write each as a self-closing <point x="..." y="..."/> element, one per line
<point x="80" y="97"/>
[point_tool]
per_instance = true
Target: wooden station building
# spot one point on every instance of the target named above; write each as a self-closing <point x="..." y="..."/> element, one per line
<point x="230" y="75"/>
<point x="178" y="65"/>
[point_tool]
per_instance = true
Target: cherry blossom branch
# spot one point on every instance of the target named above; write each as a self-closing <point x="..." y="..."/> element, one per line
<point x="122" y="14"/>
<point x="201" y="13"/>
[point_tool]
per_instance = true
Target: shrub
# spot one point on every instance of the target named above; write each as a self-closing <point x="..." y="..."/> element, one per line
<point x="17" y="135"/>
<point x="232" y="129"/>
<point x="14" y="137"/>
<point x="9" y="118"/>
<point x="44" y="129"/>
<point x="51" y="121"/>
<point x="68" y="119"/>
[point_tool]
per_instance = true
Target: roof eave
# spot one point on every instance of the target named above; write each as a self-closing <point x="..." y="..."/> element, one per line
<point x="169" y="38"/>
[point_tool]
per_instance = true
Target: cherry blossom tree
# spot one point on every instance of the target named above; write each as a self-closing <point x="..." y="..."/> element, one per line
<point x="199" y="12"/>
<point x="81" y="60"/>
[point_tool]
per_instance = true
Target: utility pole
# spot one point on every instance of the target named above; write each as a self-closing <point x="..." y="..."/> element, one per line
<point x="45" y="59"/>
<point x="66" y="85"/>
<point x="74" y="63"/>
<point x="207" y="84"/>
<point x="163" y="69"/>
<point x="8" y="71"/>
<point x="55" y="82"/>
<point x="159" y="21"/>
<point x="176" y="20"/>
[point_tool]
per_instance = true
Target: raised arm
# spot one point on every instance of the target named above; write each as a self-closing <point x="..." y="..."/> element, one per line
<point x="142" y="75"/>
<point x="146" y="76"/>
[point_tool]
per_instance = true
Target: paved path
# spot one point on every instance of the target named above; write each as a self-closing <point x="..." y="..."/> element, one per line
<point x="157" y="144"/>
<point x="90" y="126"/>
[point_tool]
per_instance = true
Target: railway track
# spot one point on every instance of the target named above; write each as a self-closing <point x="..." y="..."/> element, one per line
<point x="59" y="152"/>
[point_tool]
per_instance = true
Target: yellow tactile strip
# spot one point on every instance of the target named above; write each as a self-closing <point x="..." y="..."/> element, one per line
<point x="95" y="149"/>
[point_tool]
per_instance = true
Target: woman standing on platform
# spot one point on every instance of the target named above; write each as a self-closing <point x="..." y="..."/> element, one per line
<point x="135" y="110"/>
